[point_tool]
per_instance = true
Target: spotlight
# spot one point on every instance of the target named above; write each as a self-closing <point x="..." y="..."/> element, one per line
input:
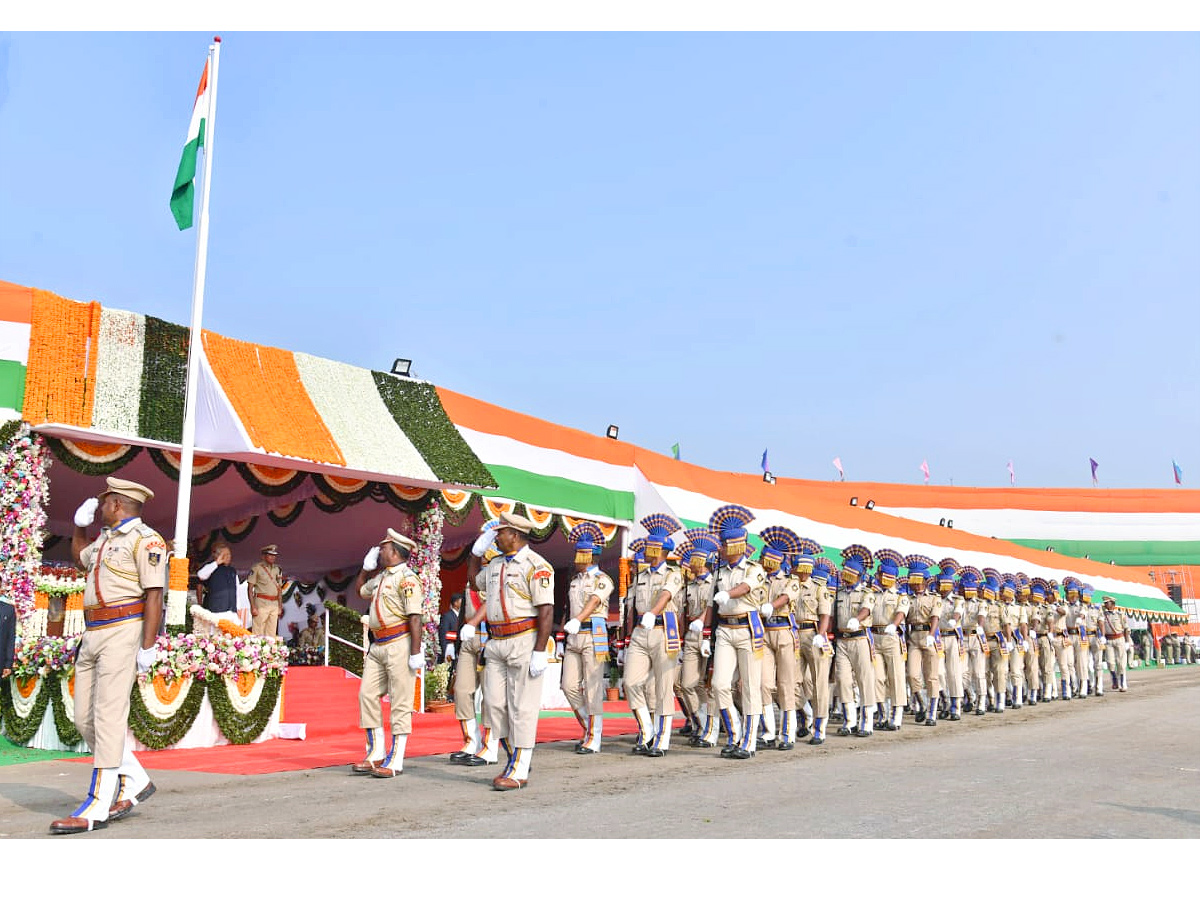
<point x="942" y="522"/>
<point x="949" y="523"/>
<point x="612" y="431"/>
<point x="402" y="367"/>
<point x="870" y="504"/>
<point x="1049" y="549"/>
<point x="854" y="501"/>
<point x="768" y="478"/>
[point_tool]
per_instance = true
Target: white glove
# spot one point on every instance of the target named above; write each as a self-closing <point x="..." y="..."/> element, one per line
<point x="537" y="663"/>
<point x="145" y="657"/>
<point x="890" y="629"/>
<point x="483" y="542"/>
<point x="647" y="620"/>
<point x="706" y="648"/>
<point x="720" y="598"/>
<point x="449" y="651"/>
<point x="979" y="631"/>
<point x="1026" y="646"/>
<point x="86" y="513"/>
<point x="572" y="626"/>
<point x="820" y="641"/>
<point x="929" y="641"/>
<point x="207" y="570"/>
<point x="853" y="624"/>
<point x="766" y="610"/>
<point x="416" y="661"/>
<point x="1103" y="640"/>
<point x="952" y="623"/>
<point x="466" y="632"/>
<point x="371" y="560"/>
<point x="365" y="620"/>
<point x="696" y="626"/>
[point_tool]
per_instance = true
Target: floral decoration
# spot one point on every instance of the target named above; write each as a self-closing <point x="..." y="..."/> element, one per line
<point x="24" y="491"/>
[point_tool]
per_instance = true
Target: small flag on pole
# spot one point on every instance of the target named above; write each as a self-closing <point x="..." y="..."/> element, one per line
<point x="184" y="192"/>
<point x="1178" y="472"/>
<point x="837" y="464"/>
<point x="1095" y="466"/>
<point x="765" y="467"/>
<point x="925" y="470"/>
<point x="675" y="451"/>
<point x="1012" y="475"/>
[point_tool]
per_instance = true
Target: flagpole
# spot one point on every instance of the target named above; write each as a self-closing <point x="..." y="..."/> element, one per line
<point x="188" y="447"/>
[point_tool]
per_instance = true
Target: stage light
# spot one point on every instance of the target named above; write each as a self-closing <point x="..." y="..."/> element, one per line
<point x="870" y="504"/>
<point x="612" y="431"/>
<point x="854" y="501"/>
<point x="402" y="367"/>
<point x="768" y="478"/>
<point x="942" y="522"/>
<point x="949" y="523"/>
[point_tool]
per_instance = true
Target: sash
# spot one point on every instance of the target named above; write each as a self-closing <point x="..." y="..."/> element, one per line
<point x="1083" y="632"/>
<point x="871" y="644"/>
<point x="758" y="635"/>
<point x="1003" y="645"/>
<point x="903" y="645"/>
<point x="937" y="643"/>
<point x="599" y="637"/>
<point x="962" y="644"/>
<point x="483" y="635"/>
<point x="671" y="627"/>
<point x="983" y="645"/>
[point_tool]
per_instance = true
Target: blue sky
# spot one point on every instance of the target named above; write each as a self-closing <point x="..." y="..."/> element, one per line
<point x="966" y="248"/>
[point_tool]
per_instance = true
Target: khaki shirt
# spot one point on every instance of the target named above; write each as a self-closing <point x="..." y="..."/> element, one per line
<point x="954" y="606"/>
<point x="1058" y="620"/>
<point x="584" y="586"/>
<point x="996" y="614"/>
<point x="1018" y="614"/>
<point x="649" y="584"/>
<point x="749" y="572"/>
<point x="514" y="588"/>
<point x="395" y="594"/>
<point x="924" y="607"/>
<point x="812" y="601"/>
<point x="972" y="609"/>
<point x="698" y="596"/>
<point x="1115" y="623"/>
<point x="888" y="602"/>
<point x="1075" y="614"/>
<point x="123" y="563"/>
<point x="780" y="583"/>
<point x="848" y="601"/>
<point x="265" y="582"/>
<point x="1039" y="621"/>
<point x="1092" y="619"/>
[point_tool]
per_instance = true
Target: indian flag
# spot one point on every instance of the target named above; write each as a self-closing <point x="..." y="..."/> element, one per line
<point x="184" y="193"/>
<point x="16" y="305"/>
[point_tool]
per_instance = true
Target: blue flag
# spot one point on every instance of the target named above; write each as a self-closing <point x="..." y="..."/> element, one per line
<point x="765" y="467"/>
<point x="1178" y="472"/>
<point x="1095" y="466"/>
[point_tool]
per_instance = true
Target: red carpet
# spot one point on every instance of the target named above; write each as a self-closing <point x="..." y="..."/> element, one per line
<point x="326" y="700"/>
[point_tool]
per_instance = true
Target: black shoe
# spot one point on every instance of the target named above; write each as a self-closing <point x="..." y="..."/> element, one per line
<point x="803" y="731"/>
<point x="784" y="745"/>
<point x="767" y="745"/>
<point x="687" y="730"/>
<point x="739" y="753"/>
<point x="474" y="761"/>
<point x="967" y="705"/>
<point x="858" y="732"/>
<point x="584" y="751"/>
<point x="886" y="726"/>
<point x="655" y="752"/>
<point x="815" y="741"/>
<point x="844" y="732"/>
<point x="640" y="749"/>
<point x="979" y="711"/>
<point x="999" y="709"/>
<point x="459" y="755"/>
<point x="920" y="716"/>
<point x="727" y="751"/>
<point x="955" y="717"/>
<point x="706" y="744"/>
<point x="932" y="721"/>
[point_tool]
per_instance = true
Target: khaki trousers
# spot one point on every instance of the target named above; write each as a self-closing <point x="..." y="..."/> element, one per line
<point x="1064" y="652"/>
<point x="266" y="623"/>
<point x="779" y="669"/>
<point x="466" y="679"/>
<point x="923" y="667"/>
<point x="733" y="650"/>
<point x="386" y="671"/>
<point x="997" y="670"/>
<point x="1080" y="653"/>
<point x="105" y="669"/>
<point x="1097" y="654"/>
<point x="646" y="662"/>
<point x="814" y="670"/>
<point x="1032" y="670"/>
<point x="1115" y="653"/>
<point x="852" y="665"/>
<point x="583" y="675"/>
<point x="511" y="697"/>
<point x="1016" y="666"/>
<point x="954" y="664"/>
<point x="889" y="670"/>
<point x="1046" y="662"/>
<point x="690" y="686"/>
<point x="977" y="662"/>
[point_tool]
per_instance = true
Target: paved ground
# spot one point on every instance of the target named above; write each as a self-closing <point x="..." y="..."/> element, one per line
<point x="1125" y="765"/>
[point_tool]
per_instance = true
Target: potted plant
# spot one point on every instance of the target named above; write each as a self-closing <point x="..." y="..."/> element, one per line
<point x="437" y="681"/>
<point x="614" y="678"/>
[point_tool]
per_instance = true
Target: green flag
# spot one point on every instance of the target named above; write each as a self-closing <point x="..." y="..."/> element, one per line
<point x="675" y="450"/>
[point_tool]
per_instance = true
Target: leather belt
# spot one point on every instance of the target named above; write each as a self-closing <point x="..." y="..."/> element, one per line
<point x="807" y="626"/>
<point x="918" y="628"/>
<point x="734" y="621"/>
<point x="879" y="629"/>
<point x="778" y="622"/>
<point x="846" y="635"/>
<point x="997" y="637"/>
<point x="1059" y="633"/>
<point x="502" y="630"/>
<point x="383" y="635"/>
<point x="101" y="614"/>
<point x="266" y="596"/>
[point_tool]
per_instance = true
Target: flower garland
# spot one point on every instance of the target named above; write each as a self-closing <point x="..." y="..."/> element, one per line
<point x="21" y="725"/>
<point x="216" y="656"/>
<point x="205" y="469"/>
<point x="157" y="733"/>
<point x="269" y="480"/>
<point x="283" y="516"/>
<point x="164" y="381"/>
<point x="92" y="459"/>
<point x="24" y="491"/>
<point x="61" y="689"/>
<point x="427" y="561"/>
<point x="119" y="372"/>
<point x="244" y="728"/>
<point x="60" y="377"/>
<point x="345" y="623"/>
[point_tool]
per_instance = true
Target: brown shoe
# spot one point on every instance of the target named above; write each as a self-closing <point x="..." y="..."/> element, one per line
<point x="122" y="808"/>
<point x="75" y="824"/>
<point x="500" y="783"/>
<point x="382" y="772"/>
<point x="366" y="767"/>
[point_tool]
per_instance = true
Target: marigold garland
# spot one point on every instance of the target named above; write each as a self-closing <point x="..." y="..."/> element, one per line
<point x="236" y="727"/>
<point x="65" y="725"/>
<point x="21" y="730"/>
<point x="60" y="377"/>
<point x="177" y="573"/>
<point x="283" y="516"/>
<point x="75" y="457"/>
<point x="205" y="469"/>
<point x="270" y="481"/>
<point x="232" y="628"/>
<point x="156" y="733"/>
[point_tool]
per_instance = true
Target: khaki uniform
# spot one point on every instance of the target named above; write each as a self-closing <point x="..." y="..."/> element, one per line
<point x="977" y="649"/>
<point x="1076" y="617"/>
<point x="265" y="584"/>
<point x="1018" y="615"/>
<point x="852" y="657"/>
<point x="923" y="659"/>
<point x="582" y="673"/>
<point x="997" y="625"/>
<point x="394" y="594"/>
<point x="122" y="564"/>
<point x="513" y="590"/>
<point x="733" y="649"/>
<point x="1033" y="660"/>
<point x="1064" y="651"/>
<point x="779" y="657"/>
<point x="1114" y="626"/>
<point x="889" y="657"/>
<point x="646" y="657"/>
<point x="690" y="687"/>
<point x="812" y="602"/>
<point x="1044" y="625"/>
<point x="953" y="662"/>
<point x="1093" y="650"/>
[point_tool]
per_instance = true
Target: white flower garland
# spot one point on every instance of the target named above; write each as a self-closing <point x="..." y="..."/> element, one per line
<point x="119" y="371"/>
<point x="156" y="707"/>
<point x="23" y="706"/>
<point x="68" y="698"/>
<point x="24" y="491"/>
<point x="242" y="705"/>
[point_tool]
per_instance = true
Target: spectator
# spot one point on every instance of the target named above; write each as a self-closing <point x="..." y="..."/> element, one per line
<point x="448" y="626"/>
<point x="219" y="581"/>
<point x="8" y="637"/>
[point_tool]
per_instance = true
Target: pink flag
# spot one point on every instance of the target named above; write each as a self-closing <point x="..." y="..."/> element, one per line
<point x="837" y="464"/>
<point x="1012" y="475"/>
<point x="925" y="469"/>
